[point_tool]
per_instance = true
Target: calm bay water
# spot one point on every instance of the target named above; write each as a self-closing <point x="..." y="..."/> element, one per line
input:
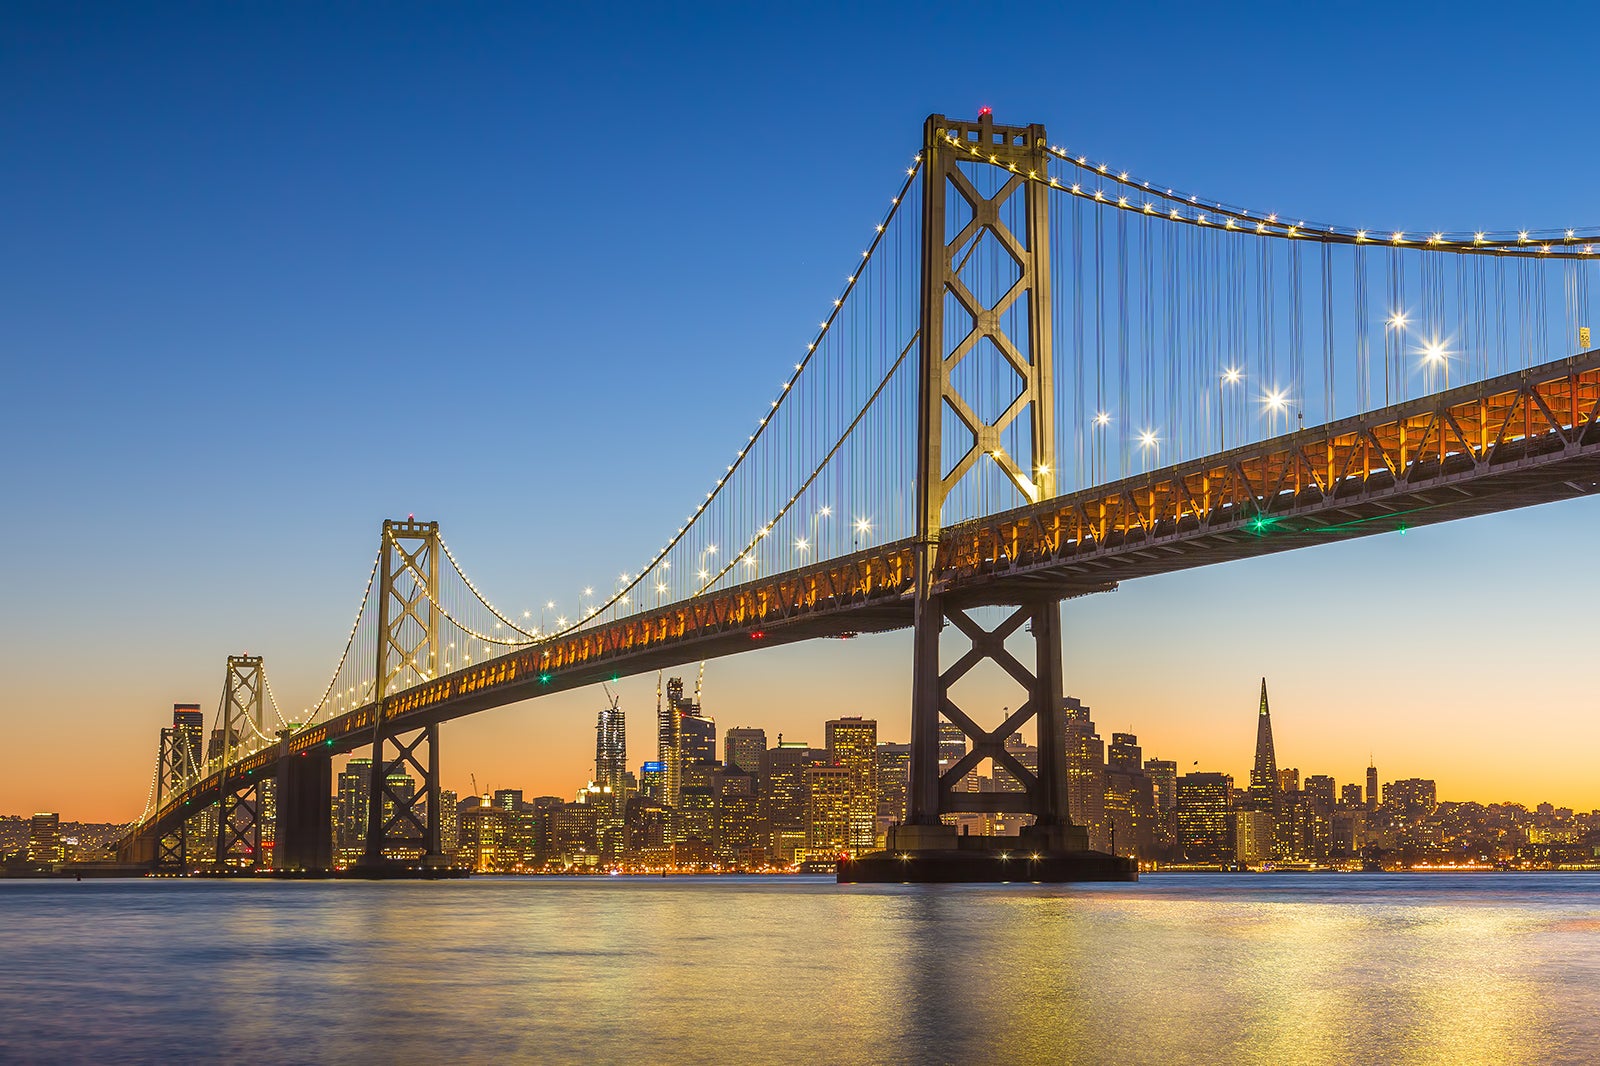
<point x="1434" y="968"/>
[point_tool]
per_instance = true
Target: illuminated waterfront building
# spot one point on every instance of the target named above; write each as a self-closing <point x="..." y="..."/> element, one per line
<point x="44" y="840"/>
<point x="572" y="835"/>
<point x="1086" y="773"/>
<point x="1252" y="836"/>
<point x="449" y="823"/>
<point x="852" y="744"/>
<point x="350" y="808"/>
<point x="485" y="844"/>
<point x="1163" y="775"/>
<point x="1205" y="830"/>
<point x="739" y="834"/>
<point x="784" y="776"/>
<point x="829" y="795"/>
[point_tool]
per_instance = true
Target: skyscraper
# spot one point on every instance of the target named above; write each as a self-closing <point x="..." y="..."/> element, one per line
<point x="853" y="744"/>
<point x="611" y="778"/>
<point x="611" y="748"/>
<point x="189" y="723"/>
<point x="744" y="748"/>
<point x="828" y="810"/>
<point x="684" y="736"/>
<point x="1263" y="791"/>
<point x="350" y="837"/>
<point x="1205" y="832"/>
<point x="1372" y="787"/>
<point x="894" y="784"/>
<point x="784" y="775"/>
<point x="1086" y="772"/>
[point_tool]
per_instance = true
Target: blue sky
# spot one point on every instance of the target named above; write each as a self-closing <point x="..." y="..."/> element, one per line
<point x="274" y="274"/>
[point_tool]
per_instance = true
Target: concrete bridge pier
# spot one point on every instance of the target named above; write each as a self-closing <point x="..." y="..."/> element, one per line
<point x="304" y="840"/>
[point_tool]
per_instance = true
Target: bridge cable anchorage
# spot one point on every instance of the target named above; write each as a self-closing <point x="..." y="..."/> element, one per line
<point x="1200" y="211"/>
<point x="629" y="586"/>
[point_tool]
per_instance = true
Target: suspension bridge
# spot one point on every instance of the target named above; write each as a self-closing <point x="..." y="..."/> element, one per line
<point x="1041" y="375"/>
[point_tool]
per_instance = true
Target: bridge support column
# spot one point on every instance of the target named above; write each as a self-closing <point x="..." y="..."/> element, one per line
<point x="403" y="790"/>
<point x="954" y="440"/>
<point x="304" y="840"/>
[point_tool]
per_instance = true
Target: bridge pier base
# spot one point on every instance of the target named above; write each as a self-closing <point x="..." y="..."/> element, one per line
<point x="926" y="849"/>
<point x="304" y="840"/>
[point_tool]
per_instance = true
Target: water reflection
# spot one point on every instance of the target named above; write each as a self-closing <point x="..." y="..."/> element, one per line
<point x="1434" y="968"/>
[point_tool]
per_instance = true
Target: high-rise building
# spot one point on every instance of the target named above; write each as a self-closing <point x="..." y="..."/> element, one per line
<point x="1289" y="779"/>
<point x="1124" y="753"/>
<point x="611" y="780"/>
<point x="744" y="748"/>
<point x="350" y="808"/>
<point x="44" y="840"/>
<point x="784" y="774"/>
<point x="1350" y="796"/>
<point x="1253" y="836"/>
<point x="1130" y="803"/>
<point x="853" y="744"/>
<point x="508" y="799"/>
<point x="652" y="780"/>
<point x="1372" y="787"/>
<point x="611" y="748"/>
<point x="739" y="836"/>
<point x="894" y="784"/>
<point x="189" y="723"/>
<point x="699" y="739"/>
<point x="828" y="810"/>
<point x="1086" y="772"/>
<point x="684" y="736"/>
<point x="1205" y="830"/>
<point x="1320" y="788"/>
<point x="952" y="748"/>
<point x="1264" y="785"/>
<point x="669" y="742"/>
<point x="485" y="844"/>
<point x="449" y="823"/>
<point x="1163" y="775"/>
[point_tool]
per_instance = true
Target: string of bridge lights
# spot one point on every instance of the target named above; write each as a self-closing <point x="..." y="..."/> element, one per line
<point x="627" y="587"/>
<point x="348" y="644"/>
<point x="1194" y="210"/>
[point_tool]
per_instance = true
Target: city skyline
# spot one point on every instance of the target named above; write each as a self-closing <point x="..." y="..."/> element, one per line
<point x="423" y="242"/>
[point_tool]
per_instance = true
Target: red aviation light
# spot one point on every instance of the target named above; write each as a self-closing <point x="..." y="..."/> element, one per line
<point x="982" y="111"/>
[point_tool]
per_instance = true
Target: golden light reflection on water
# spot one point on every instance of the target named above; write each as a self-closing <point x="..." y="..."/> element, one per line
<point x="1433" y="969"/>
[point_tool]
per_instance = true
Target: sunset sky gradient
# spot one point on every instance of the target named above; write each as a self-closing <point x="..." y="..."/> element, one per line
<point x="273" y="274"/>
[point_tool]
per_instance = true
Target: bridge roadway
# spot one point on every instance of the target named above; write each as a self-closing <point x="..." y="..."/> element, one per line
<point x="1520" y="439"/>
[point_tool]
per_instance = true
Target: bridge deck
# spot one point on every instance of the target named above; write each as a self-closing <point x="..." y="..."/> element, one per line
<point x="1509" y="442"/>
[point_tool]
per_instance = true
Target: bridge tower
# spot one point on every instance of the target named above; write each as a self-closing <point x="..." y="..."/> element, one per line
<point x="238" y="797"/>
<point x="1022" y="150"/>
<point x="176" y="767"/>
<point x="403" y="822"/>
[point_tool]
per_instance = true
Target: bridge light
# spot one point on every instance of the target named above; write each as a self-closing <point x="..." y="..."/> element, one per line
<point x="1231" y="375"/>
<point x="1148" y="439"/>
<point x="1102" y="418"/>
<point x="1397" y="320"/>
<point x="1435" y="352"/>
